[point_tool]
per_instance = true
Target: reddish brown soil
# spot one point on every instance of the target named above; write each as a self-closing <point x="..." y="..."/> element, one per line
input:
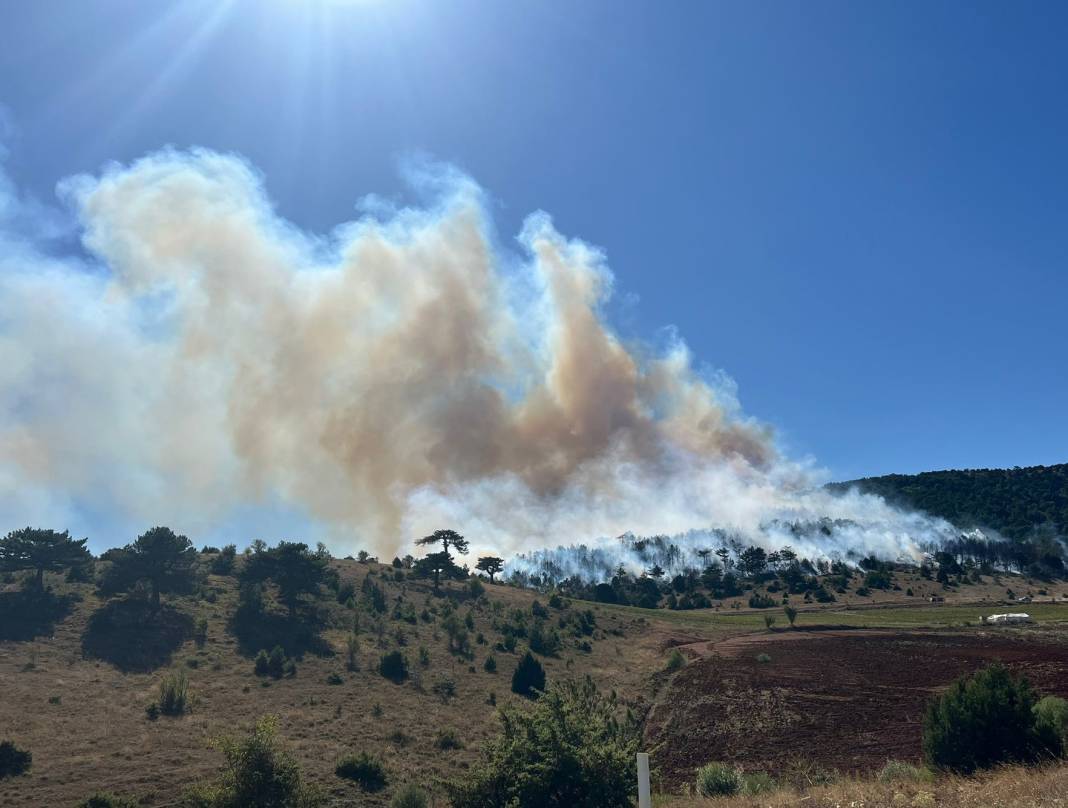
<point x="844" y="699"/>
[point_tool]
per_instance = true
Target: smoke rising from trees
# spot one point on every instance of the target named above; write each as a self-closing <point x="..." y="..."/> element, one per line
<point x="201" y="355"/>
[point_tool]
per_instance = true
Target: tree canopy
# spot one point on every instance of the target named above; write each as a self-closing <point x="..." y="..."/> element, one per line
<point x="447" y="539"/>
<point x="293" y="568"/>
<point x="42" y="551"/>
<point x="490" y="565"/>
<point x="1012" y="501"/>
<point x="160" y="557"/>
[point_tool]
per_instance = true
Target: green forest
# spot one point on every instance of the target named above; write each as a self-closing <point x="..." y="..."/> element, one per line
<point x="1014" y="501"/>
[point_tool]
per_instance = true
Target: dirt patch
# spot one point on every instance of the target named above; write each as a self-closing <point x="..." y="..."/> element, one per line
<point x="843" y="698"/>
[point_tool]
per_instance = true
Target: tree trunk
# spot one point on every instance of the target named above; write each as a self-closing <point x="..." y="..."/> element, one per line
<point x="437" y="573"/>
<point x="40" y="579"/>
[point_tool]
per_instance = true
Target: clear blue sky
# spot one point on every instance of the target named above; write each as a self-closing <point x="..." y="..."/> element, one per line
<point x="857" y="210"/>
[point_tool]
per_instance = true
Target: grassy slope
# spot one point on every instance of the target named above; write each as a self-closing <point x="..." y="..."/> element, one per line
<point x="97" y="737"/>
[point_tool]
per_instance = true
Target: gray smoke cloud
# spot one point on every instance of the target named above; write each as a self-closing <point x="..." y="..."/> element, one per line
<point x="201" y="355"/>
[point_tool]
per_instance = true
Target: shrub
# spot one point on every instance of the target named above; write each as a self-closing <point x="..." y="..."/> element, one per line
<point x="758" y="601"/>
<point x="258" y="772"/>
<point x="572" y="747"/>
<point x="261" y="664"/>
<point x="791" y="614"/>
<point x="985" y="720"/>
<point x="346" y="592"/>
<point x="394" y="666"/>
<point x="152" y="711"/>
<point x="352" y="653"/>
<point x="718" y="780"/>
<point x="444" y="688"/>
<point x="769" y="621"/>
<point x="174" y="694"/>
<point x="223" y="564"/>
<point x="409" y="796"/>
<point x="529" y="677"/>
<point x="13" y="761"/>
<point x="200" y="632"/>
<point x="763" y="659"/>
<point x="105" y="799"/>
<point x="334" y="679"/>
<point x="365" y="769"/>
<point x="675" y="660"/>
<point x="276" y="662"/>
<point x="898" y="771"/>
<point x="1051" y="718"/>
<point x="758" y="783"/>
<point x="490" y="665"/>
<point x="448" y="739"/>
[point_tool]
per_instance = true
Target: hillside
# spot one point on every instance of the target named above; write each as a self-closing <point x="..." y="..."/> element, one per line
<point x="81" y="678"/>
<point x="1012" y="501"/>
<point x="426" y="729"/>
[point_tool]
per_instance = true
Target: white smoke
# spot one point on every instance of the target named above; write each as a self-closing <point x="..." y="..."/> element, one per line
<point x="203" y="356"/>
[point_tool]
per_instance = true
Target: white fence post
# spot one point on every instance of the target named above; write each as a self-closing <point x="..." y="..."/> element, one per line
<point x="644" y="800"/>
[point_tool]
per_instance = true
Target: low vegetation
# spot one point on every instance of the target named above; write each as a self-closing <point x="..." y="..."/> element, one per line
<point x="364" y="769"/>
<point x="259" y="772"/>
<point x="573" y="746"/>
<point x="987" y="720"/>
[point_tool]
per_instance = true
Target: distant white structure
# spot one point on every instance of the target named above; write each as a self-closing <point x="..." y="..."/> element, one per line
<point x="1007" y="619"/>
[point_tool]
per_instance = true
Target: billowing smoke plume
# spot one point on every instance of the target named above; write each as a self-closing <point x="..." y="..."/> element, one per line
<point x="401" y="374"/>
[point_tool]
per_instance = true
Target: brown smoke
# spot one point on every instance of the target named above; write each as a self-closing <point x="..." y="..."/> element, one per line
<point x="224" y="357"/>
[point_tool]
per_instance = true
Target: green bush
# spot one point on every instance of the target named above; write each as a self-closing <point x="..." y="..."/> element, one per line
<point x="276" y="662"/>
<point x="200" y="632"/>
<point x="258" y="773"/>
<point x="1051" y="719"/>
<point x="718" y="780"/>
<point x="490" y="665"/>
<point x="174" y="693"/>
<point x="13" y="761"/>
<point x="105" y="799"/>
<point x="223" y="564"/>
<point x="758" y="783"/>
<point x="335" y="678"/>
<point x="675" y="660"/>
<point x="758" y="601"/>
<point x="365" y="769"/>
<point x="572" y="747"/>
<point x="898" y="771"/>
<point x="410" y="796"/>
<point x="394" y="666"/>
<point x="529" y="677"/>
<point x="986" y="720"/>
<point x="763" y="659"/>
<point x="262" y="664"/>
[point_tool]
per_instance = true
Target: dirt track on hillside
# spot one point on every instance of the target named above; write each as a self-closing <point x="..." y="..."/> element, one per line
<point x="844" y="698"/>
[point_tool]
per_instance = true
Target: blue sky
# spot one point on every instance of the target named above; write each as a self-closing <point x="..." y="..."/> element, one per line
<point x="857" y="210"/>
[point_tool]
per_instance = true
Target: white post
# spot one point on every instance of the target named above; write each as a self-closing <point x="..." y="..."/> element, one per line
<point x="644" y="800"/>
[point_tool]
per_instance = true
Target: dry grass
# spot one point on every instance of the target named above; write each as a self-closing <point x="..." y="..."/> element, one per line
<point x="1011" y="787"/>
<point x="97" y="737"/>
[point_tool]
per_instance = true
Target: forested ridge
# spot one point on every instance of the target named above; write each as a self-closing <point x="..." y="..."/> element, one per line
<point x="1012" y="501"/>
